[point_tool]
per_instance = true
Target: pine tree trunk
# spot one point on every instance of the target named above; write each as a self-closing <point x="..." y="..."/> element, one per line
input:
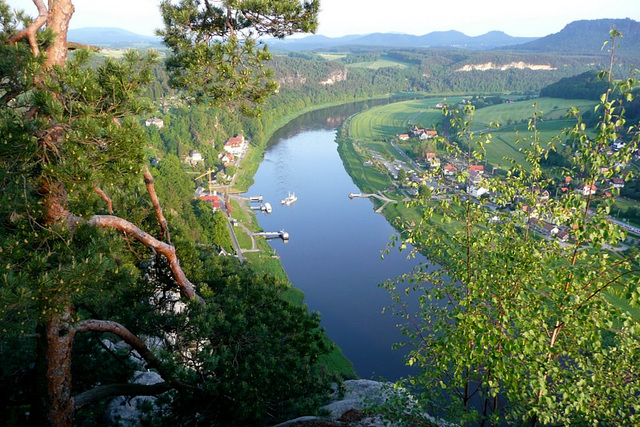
<point x="60" y="12"/>
<point x="55" y="405"/>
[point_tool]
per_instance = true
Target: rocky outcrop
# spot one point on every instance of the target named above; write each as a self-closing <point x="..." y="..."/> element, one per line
<point x="126" y="411"/>
<point x="335" y="76"/>
<point x="294" y="79"/>
<point x="517" y="65"/>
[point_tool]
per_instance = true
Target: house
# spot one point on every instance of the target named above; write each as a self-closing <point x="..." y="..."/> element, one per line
<point x="434" y="162"/>
<point x="549" y="229"/>
<point x="227" y="158"/>
<point x="415" y="131"/>
<point x="450" y="170"/>
<point x="159" y="123"/>
<point x="476" y="168"/>
<point x="431" y="133"/>
<point x="563" y="236"/>
<point x="194" y="158"/>
<point x="587" y="190"/>
<point x="477" y="191"/>
<point x="426" y="134"/>
<point x="403" y="137"/>
<point x="617" y="182"/>
<point x="214" y="200"/>
<point x="236" y="145"/>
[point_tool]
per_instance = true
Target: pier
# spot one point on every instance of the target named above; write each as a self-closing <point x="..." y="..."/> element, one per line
<point x="274" y="234"/>
<point x="263" y="208"/>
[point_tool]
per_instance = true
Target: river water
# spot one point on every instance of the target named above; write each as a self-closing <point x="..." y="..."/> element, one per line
<point x="335" y="246"/>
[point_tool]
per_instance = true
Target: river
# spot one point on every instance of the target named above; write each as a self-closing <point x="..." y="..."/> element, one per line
<point x="335" y="246"/>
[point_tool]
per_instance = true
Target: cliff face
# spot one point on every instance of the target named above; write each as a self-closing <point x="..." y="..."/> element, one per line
<point x="520" y="65"/>
<point x="337" y="75"/>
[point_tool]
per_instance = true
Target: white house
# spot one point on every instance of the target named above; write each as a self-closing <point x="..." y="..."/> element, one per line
<point x="236" y="145"/>
<point x="154" y="121"/>
<point x="194" y="158"/>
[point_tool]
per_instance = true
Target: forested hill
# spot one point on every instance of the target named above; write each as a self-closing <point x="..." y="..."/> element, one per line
<point x="587" y="37"/>
<point x="435" y="39"/>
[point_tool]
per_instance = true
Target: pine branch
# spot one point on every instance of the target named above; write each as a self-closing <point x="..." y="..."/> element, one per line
<point x="104" y="197"/>
<point x="162" y="221"/>
<point x="117" y="223"/>
<point x="134" y="341"/>
<point x="111" y="390"/>
<point x="32" y="29"/>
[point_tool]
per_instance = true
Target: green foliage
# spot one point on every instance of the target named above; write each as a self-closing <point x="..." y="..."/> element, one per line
<point x="256" y="353"/>
<point x="71" y="152"/>
<point x="583" y="86"/>
<point x="512" y="327"/>
<point x="214" y="56"/>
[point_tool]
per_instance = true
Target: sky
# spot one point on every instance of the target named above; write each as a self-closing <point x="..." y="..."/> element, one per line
<point x="534" y="18"/>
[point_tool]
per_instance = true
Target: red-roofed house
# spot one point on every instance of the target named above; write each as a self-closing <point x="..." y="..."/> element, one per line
<point x="236" y="145"/>
<point x="403" y="137"/>
<point x="449" y="169"/>
<point x="214" y="200"/>
<point x="587" y="190"/>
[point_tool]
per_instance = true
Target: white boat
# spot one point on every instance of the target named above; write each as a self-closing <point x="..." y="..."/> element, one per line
<point x="290" y="199"/>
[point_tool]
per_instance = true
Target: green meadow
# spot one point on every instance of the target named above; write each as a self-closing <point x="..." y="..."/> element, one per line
<point x="375" y="127"/>
<point x="380" y="63"/>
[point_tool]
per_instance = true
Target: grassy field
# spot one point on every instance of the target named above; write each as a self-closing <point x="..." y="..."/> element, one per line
<point x="387" y="121"/>
<point x="520" y="112"/>
<point x="374" y="127"/>
<point x="380" y="63"/>
<point x="333" y="56"/>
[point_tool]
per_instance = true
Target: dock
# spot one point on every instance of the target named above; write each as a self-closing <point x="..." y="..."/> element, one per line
<point x="263" y="208"/>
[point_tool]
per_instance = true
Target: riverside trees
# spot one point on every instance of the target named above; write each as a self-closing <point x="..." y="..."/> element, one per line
<point x="515" y="327"/>
<point x="75" y="264"/>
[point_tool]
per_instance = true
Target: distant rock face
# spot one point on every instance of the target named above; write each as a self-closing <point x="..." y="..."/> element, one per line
<point x="125" y="411"/>
<point x="517" y="65"/>
<point x="335" y="76"/>
<point x="292" y="80"/>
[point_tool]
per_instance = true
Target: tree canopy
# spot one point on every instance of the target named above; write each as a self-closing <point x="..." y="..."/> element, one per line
<point x="516" y="326"/>
<point x="79" y="268"/>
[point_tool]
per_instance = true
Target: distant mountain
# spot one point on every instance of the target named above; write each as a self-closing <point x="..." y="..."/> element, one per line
<point x="587" y="37"/>
<point x="436" y="39"/>
<point x="112" y="37"/>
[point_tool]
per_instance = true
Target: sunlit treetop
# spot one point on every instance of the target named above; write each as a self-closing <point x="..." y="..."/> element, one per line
<point x="214" y="56"/>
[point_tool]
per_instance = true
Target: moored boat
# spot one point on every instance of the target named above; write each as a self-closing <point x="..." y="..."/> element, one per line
<point x="290" y="199"/>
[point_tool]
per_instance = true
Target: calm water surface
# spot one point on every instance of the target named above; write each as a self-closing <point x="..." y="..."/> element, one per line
<point x="334" y="252"/>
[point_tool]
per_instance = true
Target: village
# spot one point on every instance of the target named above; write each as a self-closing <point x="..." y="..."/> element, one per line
<point x="442" y="174"/>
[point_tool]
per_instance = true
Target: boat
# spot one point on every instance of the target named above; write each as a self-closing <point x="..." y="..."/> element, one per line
<point x="290" y="199"/>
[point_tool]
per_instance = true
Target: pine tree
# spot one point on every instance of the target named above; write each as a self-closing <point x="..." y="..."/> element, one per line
<point x="70" y="158"/>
